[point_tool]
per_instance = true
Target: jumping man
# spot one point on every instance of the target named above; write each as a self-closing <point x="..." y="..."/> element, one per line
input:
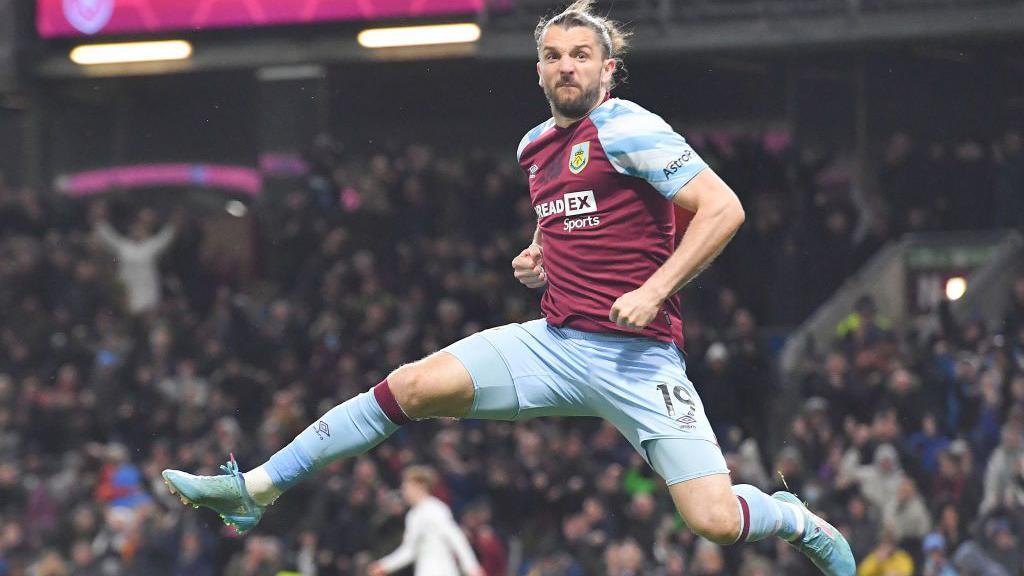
<point x="605" y="177"/>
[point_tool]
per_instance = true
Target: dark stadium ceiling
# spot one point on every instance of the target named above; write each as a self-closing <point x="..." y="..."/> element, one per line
<point x="665" y="26"/>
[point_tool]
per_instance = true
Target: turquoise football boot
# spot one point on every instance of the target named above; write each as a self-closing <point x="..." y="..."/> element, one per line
<point x="821" y="542"/>
<point x="225" y="494"/>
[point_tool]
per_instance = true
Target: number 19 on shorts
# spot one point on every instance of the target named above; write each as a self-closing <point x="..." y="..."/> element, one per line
<point x="679" y="393"/>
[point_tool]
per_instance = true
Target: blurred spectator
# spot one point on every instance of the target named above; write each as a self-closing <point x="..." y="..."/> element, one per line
<point x="708" y="560"/>
<point x="490" y="548"/>
<point x="624" y="559"/>
<point x="900" y="181"/>
<point x="906" y="516"/>
<point x="992" y="553"/>
<point x="51" y="564"/>
<point x="861" y="526"/>
<point x="936" y="562"/>
<point x="863" y="327"/>
<point x="1005" y="472"/>
<point x="120" y="483"/>
<point x="136" y="256"/>
<point x="930" y="443"/>
<point x="879" y="481"/>
<point x="887" y="560"/>
<point x="261" y="557"/>
<point x="433" y="544"/>
<point x="1001" y="543"/>
<point x="192" y="557"/>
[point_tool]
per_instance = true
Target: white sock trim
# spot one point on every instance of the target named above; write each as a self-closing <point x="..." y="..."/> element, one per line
<point x="798" y="511"/>
<point x="260" y="486"/>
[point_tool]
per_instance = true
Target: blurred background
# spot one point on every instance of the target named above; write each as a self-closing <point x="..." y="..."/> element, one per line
<point x="201" y="252"/>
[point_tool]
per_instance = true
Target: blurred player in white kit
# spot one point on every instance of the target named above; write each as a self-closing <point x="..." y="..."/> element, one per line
<point x="432" y="540"/>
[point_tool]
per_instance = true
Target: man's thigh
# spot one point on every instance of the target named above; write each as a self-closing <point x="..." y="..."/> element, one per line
<point x="521" y="371"/>
<point x="643" y="390"/>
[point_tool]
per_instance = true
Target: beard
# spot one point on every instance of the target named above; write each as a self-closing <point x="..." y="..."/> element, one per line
<point x="575" y="106"/>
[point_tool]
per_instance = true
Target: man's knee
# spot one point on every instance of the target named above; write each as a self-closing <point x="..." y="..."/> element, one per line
<point x="409" y="385"/>
<point x="432" y="387"/>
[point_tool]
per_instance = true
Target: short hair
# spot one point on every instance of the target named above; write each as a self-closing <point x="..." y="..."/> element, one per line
<point x="422" y="475"/>
<point x="614" y="40"/>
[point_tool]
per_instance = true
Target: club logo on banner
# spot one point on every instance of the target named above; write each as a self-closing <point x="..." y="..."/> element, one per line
<point x="88" y="16"/>
<point x="579" y="157"/>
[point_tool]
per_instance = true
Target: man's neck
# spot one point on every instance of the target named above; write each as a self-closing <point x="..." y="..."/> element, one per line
<point x="563" y="121"/>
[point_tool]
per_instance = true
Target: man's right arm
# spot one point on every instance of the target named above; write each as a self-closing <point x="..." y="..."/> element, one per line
<point x="405" y="554"/>
<point x="528" y="266"/>
<point x="106" y="233"/>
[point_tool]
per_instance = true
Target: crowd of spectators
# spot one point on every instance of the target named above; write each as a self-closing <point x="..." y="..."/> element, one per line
<point x="811" y="223"/>
<point x="916" y="450"/>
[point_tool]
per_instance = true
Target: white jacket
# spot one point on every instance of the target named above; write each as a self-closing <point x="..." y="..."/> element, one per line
<point x="433" y="541"/>
<point x="137" y="266"/>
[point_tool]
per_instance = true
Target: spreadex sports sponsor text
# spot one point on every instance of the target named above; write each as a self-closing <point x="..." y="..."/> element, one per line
<point x="571" y="204"/>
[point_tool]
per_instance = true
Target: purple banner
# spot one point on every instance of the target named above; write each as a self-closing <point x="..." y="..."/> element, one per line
<point x="63" y="18"/>
<point x="238" y="179"/>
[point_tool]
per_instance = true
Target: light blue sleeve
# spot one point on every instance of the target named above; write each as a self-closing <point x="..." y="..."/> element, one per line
<point x="640" y="144"/>
<point x="533" y="134"/>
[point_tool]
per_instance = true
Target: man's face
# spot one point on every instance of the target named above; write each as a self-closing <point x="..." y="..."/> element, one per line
<point x="573" y="70"/>
<point x="412" y="491"/>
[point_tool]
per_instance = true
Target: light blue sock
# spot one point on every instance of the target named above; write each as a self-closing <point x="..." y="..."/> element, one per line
<point x="764" y="516"/>
<point x="348" y="429"/>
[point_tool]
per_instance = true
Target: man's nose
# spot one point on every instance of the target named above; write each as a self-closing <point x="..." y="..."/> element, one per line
<point x="566" y="65"/>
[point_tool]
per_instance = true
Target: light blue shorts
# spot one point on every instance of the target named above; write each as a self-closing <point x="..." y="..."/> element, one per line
<point x="522" y="371"/>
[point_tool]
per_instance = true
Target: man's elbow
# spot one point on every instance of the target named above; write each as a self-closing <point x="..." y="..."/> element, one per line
<point x="732" y="213"/>
<point x="739" y="214"/>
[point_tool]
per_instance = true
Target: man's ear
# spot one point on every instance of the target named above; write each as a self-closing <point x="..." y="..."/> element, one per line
<point x="609" y="71"/>
<point x="540" y="79"/>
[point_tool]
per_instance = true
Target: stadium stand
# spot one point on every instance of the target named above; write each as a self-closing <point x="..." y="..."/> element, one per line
<point x="915" y="449"/>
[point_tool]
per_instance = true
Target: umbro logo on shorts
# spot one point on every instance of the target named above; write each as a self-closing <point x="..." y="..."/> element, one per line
<point x="687" y="421"/>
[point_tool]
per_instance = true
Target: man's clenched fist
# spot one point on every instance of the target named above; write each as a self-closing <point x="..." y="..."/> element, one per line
<point x="529" y="267"/>
<point x="635" y="310"/>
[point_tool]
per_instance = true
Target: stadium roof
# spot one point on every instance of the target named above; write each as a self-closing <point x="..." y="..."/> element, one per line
<point x="669" y="26"/>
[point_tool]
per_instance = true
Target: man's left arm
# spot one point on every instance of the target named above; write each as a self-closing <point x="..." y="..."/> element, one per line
<point x="718" y="214"/>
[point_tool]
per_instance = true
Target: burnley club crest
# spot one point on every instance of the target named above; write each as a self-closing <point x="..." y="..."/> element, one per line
<point x="579" y="157"/>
